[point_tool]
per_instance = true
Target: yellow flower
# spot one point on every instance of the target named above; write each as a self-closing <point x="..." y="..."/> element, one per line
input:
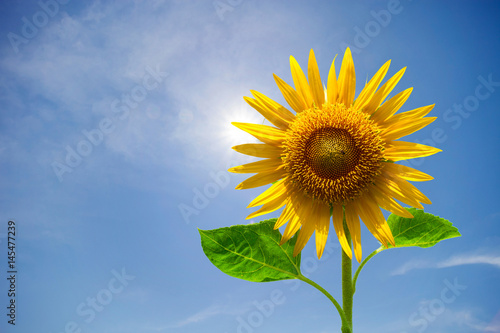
<point x="334" y="158"/>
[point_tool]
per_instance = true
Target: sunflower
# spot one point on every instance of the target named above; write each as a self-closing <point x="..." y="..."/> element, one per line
<point x="334" y="158"/>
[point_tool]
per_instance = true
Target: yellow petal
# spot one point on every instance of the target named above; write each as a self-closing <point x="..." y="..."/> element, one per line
<point x="299" y="204"/>
<point x="360" y="207"/>
<point x="276" y="190"/>
<point x="389" y="203"/>
<point x="291" y="96"/>
<point x="409" y="189"/>
<point x="262" y="178"/>
<point x="405" y="127"/>
<point x="300" y="81"/>
<point x="321" y="215"/>
<point x="347" y="80"/>
<point x="291" y="228"/>
<point x="273" y="106"/>
<point x="413" y="114"/>
<point x="406" y="172"/>
<point x="269" y="114"/>
<point x="269" y="206"/>
<point x="264" y="133"/>
<point x="315" y="80"/>
<point x="401" y="150"/>
<point x="383" y="92"/>
<point x="338" y="224"/>
<point x="266" y="165"/>
<point x="287" y="213"/>
<point x="331" y="86"/>
<point x="266" y="100"/>
<point x="259" y="150"/>
<point x="306" y="231"/>
<point x="352" y="220"/>
<point x="367" y="93"/>
<point x="391" y="106"/>
<point x="392" y="189"/>
<point x="374" y="220"/>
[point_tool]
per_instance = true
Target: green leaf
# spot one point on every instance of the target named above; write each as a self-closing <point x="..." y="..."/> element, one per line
<point x="423" y="230"/>
<point x="251" y="252"/>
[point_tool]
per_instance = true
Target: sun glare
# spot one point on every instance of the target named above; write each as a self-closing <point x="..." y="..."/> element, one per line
<point x="239" y="112"/>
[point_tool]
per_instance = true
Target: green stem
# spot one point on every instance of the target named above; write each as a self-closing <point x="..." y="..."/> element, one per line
<point x="330" y="297"/>
<point x="347" y="286"/>
<point x="363" y="263"/>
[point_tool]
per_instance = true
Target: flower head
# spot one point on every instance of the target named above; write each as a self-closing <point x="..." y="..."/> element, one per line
<point x="334" y="158"/>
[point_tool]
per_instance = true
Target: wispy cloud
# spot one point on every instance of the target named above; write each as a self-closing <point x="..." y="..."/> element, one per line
<point x="470" y="319"/>
<point x="68" y="77"/>
<point x="451" y="320"/>
<point x="465" y="259"/>
<point x="211" y="311"/>
<point x="494" y="325"/>
<point x="409" y="266"/>
<point x="206" y="313"/>
<point x="469" y="260"/>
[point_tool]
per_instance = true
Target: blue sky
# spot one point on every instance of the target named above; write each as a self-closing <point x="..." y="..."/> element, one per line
<point x="115" y="114"/>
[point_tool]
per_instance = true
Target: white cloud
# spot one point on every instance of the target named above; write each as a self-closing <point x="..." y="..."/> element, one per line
<point x="409" y="266"/>
<point x="82" y="61"/>
<point x="211" y="311"/>
<point x="469" y="260"/>
<point x="450" y="320"/>
<point x="206" y="313"/>
<point x="459" y="260"/>
<point x="469" y="319"/>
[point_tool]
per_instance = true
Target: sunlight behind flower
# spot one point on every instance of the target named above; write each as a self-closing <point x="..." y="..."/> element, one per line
<point x="231" y="135"/>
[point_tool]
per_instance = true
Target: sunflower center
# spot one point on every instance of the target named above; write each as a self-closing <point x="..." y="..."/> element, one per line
<point x="332" y="153"/>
